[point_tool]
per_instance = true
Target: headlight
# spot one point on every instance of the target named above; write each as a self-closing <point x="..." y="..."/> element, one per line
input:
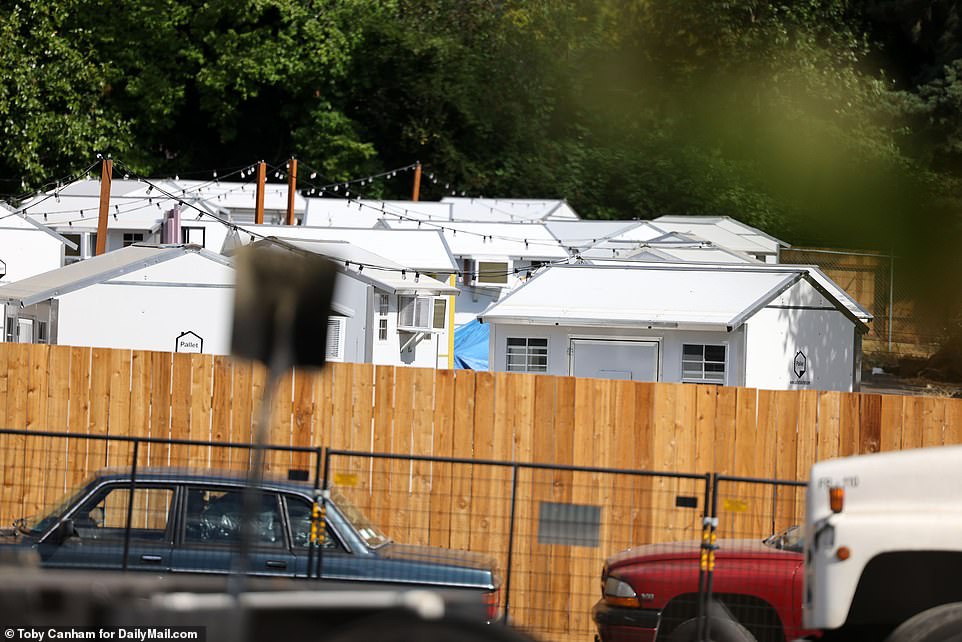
<point x="620" y="593"/>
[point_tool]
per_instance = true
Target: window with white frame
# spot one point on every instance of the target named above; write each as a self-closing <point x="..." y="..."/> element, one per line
<point x="414" y="313"/>
<point x="133" y="237"/>
<point x="702" y="363"/>
<point x="382" y="311"/>
<point x="335" y="339"/>
<point x="42" y="332"/>
<point x="527" y="354"/>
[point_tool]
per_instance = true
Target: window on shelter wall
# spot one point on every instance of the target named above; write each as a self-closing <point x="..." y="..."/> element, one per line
<point x="701" y="363"/>
<point x="382" y="312"/>
<point x="133" y="237"/>
<point x="527" y="354"/>
<point x="414" y="313"/>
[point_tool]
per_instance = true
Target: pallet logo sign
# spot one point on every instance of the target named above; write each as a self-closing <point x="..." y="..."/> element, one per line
<point x="800" y="369"/>
<point x="189" y="342"/>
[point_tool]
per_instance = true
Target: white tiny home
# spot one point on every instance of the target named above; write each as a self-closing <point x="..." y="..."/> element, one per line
<point x="168" y="298"/>
<point x="775" y="327"/>
<point x="398" y="316"/>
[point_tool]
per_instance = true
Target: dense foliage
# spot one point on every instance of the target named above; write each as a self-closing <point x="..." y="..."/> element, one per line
<point x="824" y="121"/>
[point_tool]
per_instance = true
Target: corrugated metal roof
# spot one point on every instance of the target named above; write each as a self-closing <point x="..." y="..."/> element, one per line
<point x="95" y="270"/>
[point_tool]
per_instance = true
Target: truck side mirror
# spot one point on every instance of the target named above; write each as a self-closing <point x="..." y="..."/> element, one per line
<point x="65" y="530"/>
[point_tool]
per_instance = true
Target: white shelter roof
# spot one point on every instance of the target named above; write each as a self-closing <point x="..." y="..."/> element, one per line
<point x="584" y="234"/>
<point x="341" y="212"/>
<point x="822" y="280"/>
<point x="517" y="210"/>
<point x="722" y="231"/>
<point x="387" y="275"/>
<point x="98" y="270"/>
<point x="645" y="295"/>
<point x="494" y="240"/>
<point x="424" y="249"/>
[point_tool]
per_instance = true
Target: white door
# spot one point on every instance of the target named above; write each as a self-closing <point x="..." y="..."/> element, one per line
<point x="614" y="359"/>
<point x="25" y="330"/>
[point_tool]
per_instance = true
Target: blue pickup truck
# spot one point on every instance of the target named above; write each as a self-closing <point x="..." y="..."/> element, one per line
<point x="173" y="521"/>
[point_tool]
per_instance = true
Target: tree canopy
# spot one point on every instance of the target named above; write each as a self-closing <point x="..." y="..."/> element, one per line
<point x="823" y="121"/>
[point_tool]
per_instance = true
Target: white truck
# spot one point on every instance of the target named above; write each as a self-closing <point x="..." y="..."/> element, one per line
<point x="883" y="547"/>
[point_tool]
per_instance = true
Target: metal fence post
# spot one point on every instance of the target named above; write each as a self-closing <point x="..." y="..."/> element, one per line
<point x="130" y="503"/>
<point x="708" y="563"/>
<point x="507" y="581"/>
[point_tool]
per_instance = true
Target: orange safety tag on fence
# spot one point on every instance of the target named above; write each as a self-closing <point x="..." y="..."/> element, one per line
<point x="735" y="506"/>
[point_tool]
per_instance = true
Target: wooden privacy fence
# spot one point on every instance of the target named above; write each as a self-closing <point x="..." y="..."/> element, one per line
<point x="664" y="428"/>
<point x="531" y="418"/>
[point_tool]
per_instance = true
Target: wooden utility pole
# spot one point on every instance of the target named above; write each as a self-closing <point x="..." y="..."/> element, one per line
<point x="417" y="181"/>
<point x="259" y="206"/>
<point x="106" y="170"/>
<point x="291" y="189"/>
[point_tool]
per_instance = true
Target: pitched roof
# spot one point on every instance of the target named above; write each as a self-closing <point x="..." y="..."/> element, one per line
<point x="97" y="270"/>
<point x="650" y="295"/>
<point x="425" y="249"/>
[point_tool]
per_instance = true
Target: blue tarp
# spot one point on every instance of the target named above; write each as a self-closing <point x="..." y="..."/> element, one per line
<point x="471" y="346"/>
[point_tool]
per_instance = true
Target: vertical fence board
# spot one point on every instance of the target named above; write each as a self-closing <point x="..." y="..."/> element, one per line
<point x="848" y="424"/>
<point x="484" y="491"/>
<point x="441" y="502"/>
<point x="36" y="421"/>
<point x="342" y="379"/>
<point x="829" y="420"/>
<point x="400" y="490"/>
<point x="77" y="414"/>
<point x="100" y="376"/>
<point x="180" y="407"/>
<point x="301" y="409"/>
<point x="563" y="453"/>
<point x="462" y="446"/>
<point x="58" y="390"/>
<point x="280" y="431"/>
<point x="786" y="455"/>
<point x="241" y="412"/>
<point x="933" y="421"/>
<point x="723" y="460"/>
<point x="422" y="439"/>
<point x="118" y="409"/>
<point x="913" y="411"/>
<point x="891" y="433"/>
<point x="953" y="422"/>
<point x="324" y="408"/>
<point x="382" y="442"/>
<point x="706" y="411"/>
<point x="220" y="408"/>
<point x="870" y="424"/>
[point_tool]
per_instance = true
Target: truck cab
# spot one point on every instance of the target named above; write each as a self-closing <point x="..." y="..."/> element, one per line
<point x="883" y="554"/>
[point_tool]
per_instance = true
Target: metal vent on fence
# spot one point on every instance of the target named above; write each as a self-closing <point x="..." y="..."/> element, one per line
<point x="569" y="524"/>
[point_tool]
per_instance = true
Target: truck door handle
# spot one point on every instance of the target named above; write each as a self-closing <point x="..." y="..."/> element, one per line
<point x="151" y="558"/>
<point x="276" y="564"/>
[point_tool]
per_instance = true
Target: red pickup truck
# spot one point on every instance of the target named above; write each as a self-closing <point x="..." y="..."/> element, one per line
<point x="649" y="591"/>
